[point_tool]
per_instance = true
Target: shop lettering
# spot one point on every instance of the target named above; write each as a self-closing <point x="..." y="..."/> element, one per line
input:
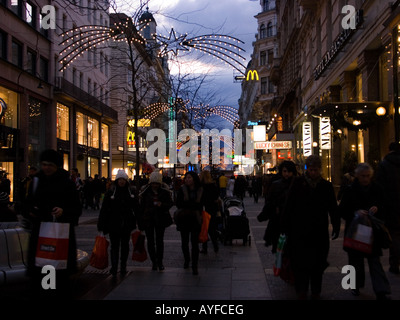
<point x="338" y="44"/>
<point x="325" y="133"/>
<point x="307" y="139"/>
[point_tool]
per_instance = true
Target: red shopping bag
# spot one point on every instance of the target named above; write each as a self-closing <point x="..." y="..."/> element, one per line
<point x="139" y="249"/>
<point x="52" y="246"/>
<point x="99" y="256"/>
<point x="203" y="236"/>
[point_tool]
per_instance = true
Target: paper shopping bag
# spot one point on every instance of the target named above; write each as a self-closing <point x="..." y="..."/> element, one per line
<point x="279" y="255"/>
<point x="203" y="236"/>
<point x="359" y="235"/>
<point x="139" y="250"/>
<point x="52" y="246"/>
<point x="99" y="256"/>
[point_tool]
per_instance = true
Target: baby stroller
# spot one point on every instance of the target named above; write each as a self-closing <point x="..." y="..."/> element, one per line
<point x="236" y="223"/>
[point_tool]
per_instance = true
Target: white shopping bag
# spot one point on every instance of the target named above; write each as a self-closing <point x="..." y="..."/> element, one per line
<point x="52" y="247"/>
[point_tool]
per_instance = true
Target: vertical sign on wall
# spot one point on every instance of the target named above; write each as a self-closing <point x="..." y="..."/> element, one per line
<point x="325" y="133"/>
<point x="307" y="139"/>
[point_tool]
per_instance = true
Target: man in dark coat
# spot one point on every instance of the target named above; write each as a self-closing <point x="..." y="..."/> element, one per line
<point x="311" y="202"/>
<point x="52" y="196"/>
<point x="388" y="176"/>
<point x="365" y="197"/>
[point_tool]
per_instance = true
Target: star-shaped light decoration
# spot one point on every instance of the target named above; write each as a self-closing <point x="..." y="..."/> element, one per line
<point x="172" y="43"/>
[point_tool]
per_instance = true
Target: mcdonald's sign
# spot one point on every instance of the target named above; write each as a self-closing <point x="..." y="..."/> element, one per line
<point x="253" y="74"/>
<point x="130" y="139"/>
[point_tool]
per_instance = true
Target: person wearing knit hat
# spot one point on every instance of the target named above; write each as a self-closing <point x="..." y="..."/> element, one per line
<point x="155" y="202"/>
<point x="121" y="174"/>
<point x="155" y="177"/>
<point x="118" y="219"/>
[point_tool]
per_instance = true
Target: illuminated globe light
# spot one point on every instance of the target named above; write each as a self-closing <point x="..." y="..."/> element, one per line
<point x="356" y="122"/>
<point x="381" y="111"/>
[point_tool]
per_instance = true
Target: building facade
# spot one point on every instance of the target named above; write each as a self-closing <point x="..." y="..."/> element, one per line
<point x="335" y="75"/>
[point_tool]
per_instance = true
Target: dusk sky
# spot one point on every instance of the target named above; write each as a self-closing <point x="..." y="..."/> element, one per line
<point x="229" y="17"/>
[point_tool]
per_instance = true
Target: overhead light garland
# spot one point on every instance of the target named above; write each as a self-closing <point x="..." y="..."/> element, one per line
<point x="79" y="40"/>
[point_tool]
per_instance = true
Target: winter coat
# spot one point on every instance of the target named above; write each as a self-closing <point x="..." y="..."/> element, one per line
<point x="45" y="193"/>
<point x="150" y="215"/>
<point x="210" y="198"/>
<point x="190" y="202"/>
<point x="306" y="222"/>
<point x="274" y="209"/>
<point x="388" y="176"/>
<point x="357" y="197"/>
<point x="117" y="213"/>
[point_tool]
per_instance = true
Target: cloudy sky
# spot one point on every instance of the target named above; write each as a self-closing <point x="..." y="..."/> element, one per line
<point x="198" y="17"/>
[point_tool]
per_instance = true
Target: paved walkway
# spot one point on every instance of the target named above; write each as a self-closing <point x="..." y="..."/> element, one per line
<point x="236" y="272"/>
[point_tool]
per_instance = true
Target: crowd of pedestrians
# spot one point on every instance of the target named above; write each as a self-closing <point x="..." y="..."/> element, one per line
<point x="301" y="206"/>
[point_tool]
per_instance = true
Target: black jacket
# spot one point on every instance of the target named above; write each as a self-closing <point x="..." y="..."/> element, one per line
<point x="192" y="203"/>
<point x="306" y="222"/>
<point x="44" y="194"/>
<point x="388" y="176"/>
<point x="150" y="215"/>
<point x="117" y="213"/>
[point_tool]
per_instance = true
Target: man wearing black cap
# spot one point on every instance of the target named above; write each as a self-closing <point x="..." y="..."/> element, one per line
<point x="52" y="197"/>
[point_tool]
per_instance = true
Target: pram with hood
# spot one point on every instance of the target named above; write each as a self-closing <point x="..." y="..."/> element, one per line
<point x="236" y="223"/>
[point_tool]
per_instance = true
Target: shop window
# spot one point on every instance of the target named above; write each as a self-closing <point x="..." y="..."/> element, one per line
<point x="17" y="54"/>
<point x="81" y="128"/>
<point x="66" y="161"/>
<point x="93" y="133"/>
<point x="105" y="137"/>
<point x="93" y="166"/>
<point x="62" y="122"/>
<point x="7" y="175"/>
<point x="10" y="118"/>
<point x="104" y="168"/>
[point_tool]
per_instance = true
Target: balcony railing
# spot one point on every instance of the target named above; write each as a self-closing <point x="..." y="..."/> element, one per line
<point x="85" y="98"/>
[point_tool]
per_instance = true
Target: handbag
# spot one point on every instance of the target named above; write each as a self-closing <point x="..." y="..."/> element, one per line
<point x="53" y="244"/>
<point x="139" y="250"/>
<point x="203" y="236"/>
<point x="359" y="236"/>
<point x="99" y="256"/>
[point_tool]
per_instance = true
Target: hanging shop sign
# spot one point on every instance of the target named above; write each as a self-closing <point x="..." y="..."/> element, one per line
<point x="337" y="45"/>
<point x="307" y="139"/>
<point x="325" y="133"/>
<point x="273" y="145"/>
<point x="141" y="123"/>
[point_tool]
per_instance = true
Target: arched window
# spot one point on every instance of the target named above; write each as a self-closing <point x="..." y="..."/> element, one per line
<point x="263" y="33"/>
<point x="270" y="31"/>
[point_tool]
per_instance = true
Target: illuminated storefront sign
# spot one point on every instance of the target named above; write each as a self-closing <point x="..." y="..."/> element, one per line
<point x="253" y="74"/>
<point x="259" y="133"/>
<point x="325" y="133"/>
<point x="271" y="145"/>
<point x="141" y="123"/>
<point x="307" y="139"/>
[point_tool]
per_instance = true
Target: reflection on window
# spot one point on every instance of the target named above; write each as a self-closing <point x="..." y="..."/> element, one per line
<point x="62" y="122"/>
